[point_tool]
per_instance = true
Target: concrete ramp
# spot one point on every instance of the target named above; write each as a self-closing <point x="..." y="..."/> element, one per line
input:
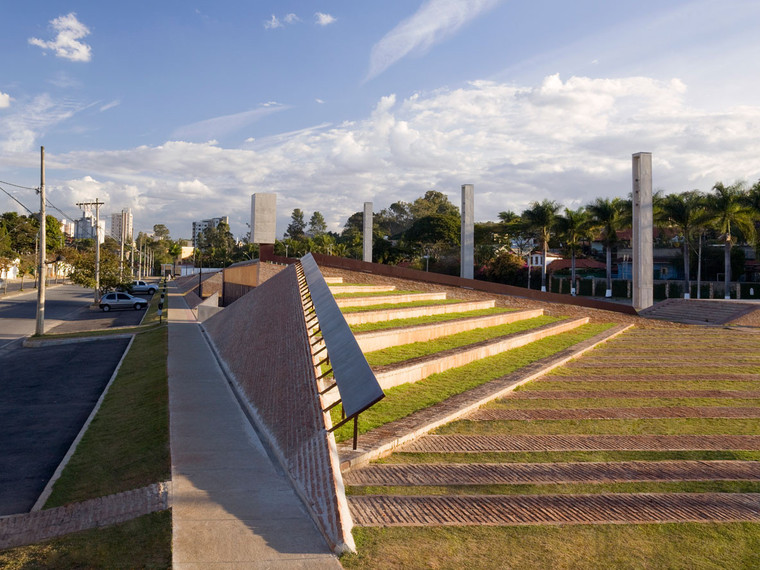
<point x="699" y="311"/>
<point x="262" y="340"/>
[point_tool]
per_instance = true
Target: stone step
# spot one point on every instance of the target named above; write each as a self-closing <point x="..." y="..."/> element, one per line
<point x="338" y="289"/>
<point x="333" y="280"/>
<point x="692" y="311"/>
<point x="385" y="315"/>
<point x="378" y="340"/>
<point x="385" y="299"/>
<point x="417" y="369"/>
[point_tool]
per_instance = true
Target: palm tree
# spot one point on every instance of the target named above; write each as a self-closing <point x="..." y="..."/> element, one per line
<point x="540" y="218"/>
<point x="686" y="213"/>
<point x="575" y="228"/>
<point x="609" y="216"/>
<point x="728" y="211"/>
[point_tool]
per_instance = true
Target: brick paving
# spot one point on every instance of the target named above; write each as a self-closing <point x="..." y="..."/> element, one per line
<point x="516" y="443"/>
<point x="652" y="378"/>
<point x="613" y="413"/>
<point x="542" y="473"/>
<point x="30" y="528"/>
<point x="622" y="394"/>
<point x="383" y="510"/>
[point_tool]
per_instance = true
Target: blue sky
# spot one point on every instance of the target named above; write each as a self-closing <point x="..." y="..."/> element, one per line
<point x="181" y="110"/>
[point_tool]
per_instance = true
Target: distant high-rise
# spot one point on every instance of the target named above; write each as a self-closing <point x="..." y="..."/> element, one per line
<point x="199" y="227"/>
<point x="84" y="227"/>
<point x="121" y="225"/>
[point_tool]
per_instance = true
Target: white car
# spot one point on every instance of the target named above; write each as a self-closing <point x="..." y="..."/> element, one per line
<point x="143" y="287"/>
<point x="118" y="300"/>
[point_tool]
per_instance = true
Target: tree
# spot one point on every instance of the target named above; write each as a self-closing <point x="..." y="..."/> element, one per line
<point x="433" y="203"/>
<point x="296" y="228"/>
<point x="728" y="212"/>
<point x="443" y="229"/>
<point x="317" y="224"/>
<point x="684" y="212"/>
<point x="575" y="228"/>
<point x="540" y="219"/>
<point x="161" y="231"/>
<point x="608" y="216"/>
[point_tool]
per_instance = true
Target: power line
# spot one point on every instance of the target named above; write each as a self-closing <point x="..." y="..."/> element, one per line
<point x="15" y="199"/>
<point x="18" y="186"/>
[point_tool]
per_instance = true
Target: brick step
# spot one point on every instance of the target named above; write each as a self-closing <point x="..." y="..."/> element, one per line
<point x="384" y="299"/>
<point x="378" y="510"/>
<point x="649" y="378"/>
<point x="384" y="315"/>
<point x="697" y="311"/>
<point x="623" y="394"/>
<point x="518" y="443"/>
<point x="378" y="340"/>
<point x="336" y="289"/>
<point x="551" y="473"/>
<point x="417" y="369"/>
<point x="503" y="414"/>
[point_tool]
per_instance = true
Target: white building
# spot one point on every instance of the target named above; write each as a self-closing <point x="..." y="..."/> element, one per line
<point x="199" y="227"/>
<point x="85" y="227"/>
<point x="121" y="226"/>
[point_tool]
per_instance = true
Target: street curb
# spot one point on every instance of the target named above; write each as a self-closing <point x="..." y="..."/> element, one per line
<point x="30" y="342"/>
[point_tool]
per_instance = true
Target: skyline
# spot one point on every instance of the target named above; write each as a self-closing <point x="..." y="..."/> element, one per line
<point x="181" y="112"/>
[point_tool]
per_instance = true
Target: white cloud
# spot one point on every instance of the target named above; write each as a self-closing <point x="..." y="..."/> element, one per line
<point x="291" y="19"/>
<point x="220" y="126"/>
<point x="66" y="43"/>
<point x="273" y="23"/>
<point x="568" y="140"/>
<point x="435" y="21"/>
<point x="110" y="105"/>
<point x="323" y="19"/>
<point x="5" y="100"/>
<point x="20" y="130"/>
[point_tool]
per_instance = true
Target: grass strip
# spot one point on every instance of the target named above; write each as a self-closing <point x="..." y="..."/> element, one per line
<point x="410" y="305"/>
<point x="401" y="401"/>
<point x="144" y="542"/>
<point x="583" y="403"/>
<point x="127" y="444"/>
<point x="562" y="488"/>
<point x="403" y="352"/>
<point x="664" y="426"/>
<point x="673" y="546"/>
<point x="429" y="319"/>
<point x="373" y="294"/>
<point x="577" y="386"/>
<point x="569" y="456"/>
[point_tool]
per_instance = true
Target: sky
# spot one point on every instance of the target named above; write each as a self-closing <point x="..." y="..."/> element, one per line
<point x="182" y="109"/>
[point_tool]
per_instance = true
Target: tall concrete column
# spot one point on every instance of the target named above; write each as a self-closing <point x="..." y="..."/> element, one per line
<point x="264" y="223"/>
<point x="367" y="226"/>
<point x="467" y="269"/>
<point x="643" y="266"/>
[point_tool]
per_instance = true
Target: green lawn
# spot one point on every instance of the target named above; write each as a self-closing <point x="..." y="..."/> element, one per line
<point x="429" y="319"/>
<point x="387" y="306"/>
<point x="403" y="352"/>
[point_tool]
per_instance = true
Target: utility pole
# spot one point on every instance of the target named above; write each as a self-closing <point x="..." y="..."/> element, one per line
<point x="41" y="267"/>
<point x="121" y="248"/>
<point x="97" y="203"/>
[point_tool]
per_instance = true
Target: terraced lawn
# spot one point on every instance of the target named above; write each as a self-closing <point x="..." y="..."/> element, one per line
<point x="397" y="323"/>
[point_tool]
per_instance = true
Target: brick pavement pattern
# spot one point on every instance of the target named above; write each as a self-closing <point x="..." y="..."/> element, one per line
<point x="621" y="394"/>
<point x="612" y="413"/>
<point x="651" y="378"/>
<point x="540" y="473"/>
<point x="30" y="528"/>
<point x="515" y="443"/>
<point x="384" y="510"/>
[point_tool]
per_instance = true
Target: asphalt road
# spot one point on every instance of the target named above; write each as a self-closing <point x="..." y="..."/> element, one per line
<point x="46" y="395"/>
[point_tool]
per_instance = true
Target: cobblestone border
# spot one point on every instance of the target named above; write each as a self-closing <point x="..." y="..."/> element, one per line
<point x="30" y="528"/>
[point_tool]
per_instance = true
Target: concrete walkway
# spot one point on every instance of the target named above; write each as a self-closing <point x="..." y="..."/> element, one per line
<point x="231" y="507"/>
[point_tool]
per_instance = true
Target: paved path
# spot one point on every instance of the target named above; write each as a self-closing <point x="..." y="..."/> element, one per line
<point x="230" y="506"/>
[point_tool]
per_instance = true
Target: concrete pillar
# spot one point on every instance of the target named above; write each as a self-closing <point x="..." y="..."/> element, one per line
<point x="643" y="266"/>
<point x="367" y="224"/>
<point x="264" y="222"/>
<point x="467" y="269"/>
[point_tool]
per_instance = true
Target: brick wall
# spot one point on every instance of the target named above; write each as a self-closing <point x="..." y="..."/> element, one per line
<point x="262" y="339"/>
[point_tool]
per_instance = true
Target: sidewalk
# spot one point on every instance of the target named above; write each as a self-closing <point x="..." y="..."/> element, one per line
<point x="230" y="505"/>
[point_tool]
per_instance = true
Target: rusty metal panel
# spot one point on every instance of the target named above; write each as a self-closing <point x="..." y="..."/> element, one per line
<point x="358" y="387"/>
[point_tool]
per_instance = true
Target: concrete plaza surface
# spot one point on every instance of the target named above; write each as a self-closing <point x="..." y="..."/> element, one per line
<point x="231" y="506"/>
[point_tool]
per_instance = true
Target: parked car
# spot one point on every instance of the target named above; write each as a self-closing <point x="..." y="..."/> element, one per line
<point x="118" y="300"/>
<point x="143" y="287"/>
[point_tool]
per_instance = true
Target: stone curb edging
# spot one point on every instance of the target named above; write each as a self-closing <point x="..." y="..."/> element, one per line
<point x="352" y="460"/>
<point x="30" y="528"/>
